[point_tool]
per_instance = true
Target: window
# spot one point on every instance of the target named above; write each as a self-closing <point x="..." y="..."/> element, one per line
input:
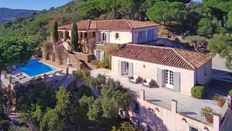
<point x="85" y="35"/>
<point x="125" y="68"/>
<point x="93" y="34"/>
<point x="168" y="78"/>
<point x="104" y="36"/>
<point x="116" y="35"/>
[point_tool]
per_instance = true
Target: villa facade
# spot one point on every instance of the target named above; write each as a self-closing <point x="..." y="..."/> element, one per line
<point x="119" y="31"/>
<point x="175" y="69"/>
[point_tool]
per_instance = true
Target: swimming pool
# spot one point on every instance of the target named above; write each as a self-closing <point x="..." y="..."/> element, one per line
<point x="33" y="68"/>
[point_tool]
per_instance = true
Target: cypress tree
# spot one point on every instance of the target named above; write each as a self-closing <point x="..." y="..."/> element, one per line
<point x="55" y="36"/>
<point x="74" y="37"/>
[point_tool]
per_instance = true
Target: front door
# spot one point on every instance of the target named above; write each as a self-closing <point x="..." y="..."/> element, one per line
<point x="168" y="79"/>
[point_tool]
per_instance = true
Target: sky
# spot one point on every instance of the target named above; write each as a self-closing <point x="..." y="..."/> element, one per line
<point x="32" y="4"/>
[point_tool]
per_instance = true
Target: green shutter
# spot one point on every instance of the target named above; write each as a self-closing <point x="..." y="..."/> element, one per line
<point x="160" y="77"/>
<point x="119" y="67"/>
<point x="177" y="81"/>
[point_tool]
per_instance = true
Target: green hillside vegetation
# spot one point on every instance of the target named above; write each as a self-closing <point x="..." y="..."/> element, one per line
<point x="193" y="19"/>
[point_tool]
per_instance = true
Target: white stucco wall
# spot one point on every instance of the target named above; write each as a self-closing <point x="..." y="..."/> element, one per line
<point x="124" y="37"/>
<point x="149" y="70"/>
<point x="162" y="119"/>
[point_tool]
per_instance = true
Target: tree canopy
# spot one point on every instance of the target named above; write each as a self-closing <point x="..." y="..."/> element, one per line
<point x="222" y="44"/>
<point x="165" y="11"/>
<point x="55" y="36"/>
<point x="15" y="50"/>
<point x="74" y="37"/>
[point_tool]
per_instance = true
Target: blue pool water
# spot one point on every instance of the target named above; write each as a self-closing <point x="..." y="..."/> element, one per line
<point x="33" y="67"/>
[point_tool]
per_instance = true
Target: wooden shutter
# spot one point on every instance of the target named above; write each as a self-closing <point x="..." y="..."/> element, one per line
<point x="119" y="67"/>
<point x="95" y="53"/>
<point x="160" y="77"/>
<point x="177" y="81"/>
<point x="130" y="73"/>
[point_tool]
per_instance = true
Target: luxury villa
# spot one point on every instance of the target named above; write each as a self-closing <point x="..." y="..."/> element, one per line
<point x="159" y="79"/>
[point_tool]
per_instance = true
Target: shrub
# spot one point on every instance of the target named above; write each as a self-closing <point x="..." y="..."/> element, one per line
<point x="101" y="79"/>
<point x="84" y="91"/>
<point x="83" y="74"/>
<point x="105" y="63"/>
<point x="78" y="73"/>
<point x="198" y="91"/>
<point x="230" y="93"/>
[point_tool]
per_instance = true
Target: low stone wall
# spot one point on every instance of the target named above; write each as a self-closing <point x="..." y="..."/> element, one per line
<point x="84" y="57"/>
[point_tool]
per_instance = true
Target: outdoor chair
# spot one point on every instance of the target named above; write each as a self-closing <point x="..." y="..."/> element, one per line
<point x="134" y="79"/>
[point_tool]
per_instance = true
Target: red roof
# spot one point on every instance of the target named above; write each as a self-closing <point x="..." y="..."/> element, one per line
<point x="164" y="56"/>
<point x="117" y="24"/>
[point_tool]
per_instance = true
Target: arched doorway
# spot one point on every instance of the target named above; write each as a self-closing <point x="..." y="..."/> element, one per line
<point x="103" y="37"/>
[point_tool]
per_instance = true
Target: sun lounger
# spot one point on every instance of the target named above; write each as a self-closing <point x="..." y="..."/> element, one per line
<point x="134" y="79"/>
<point x="19" y="74"/>
<point x="24" y="77"/>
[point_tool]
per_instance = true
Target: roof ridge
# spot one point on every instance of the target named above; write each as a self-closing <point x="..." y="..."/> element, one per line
<point x="152" y="46"/>
<point x="188" y="62"/>
<point x="129" y="23"/>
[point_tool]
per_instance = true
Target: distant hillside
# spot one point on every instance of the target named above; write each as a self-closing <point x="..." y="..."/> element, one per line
<point x="11" y="14"/>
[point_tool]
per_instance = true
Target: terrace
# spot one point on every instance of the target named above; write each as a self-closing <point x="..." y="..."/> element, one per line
<point x="36" y="71"/>
<point x="187" y="106"/>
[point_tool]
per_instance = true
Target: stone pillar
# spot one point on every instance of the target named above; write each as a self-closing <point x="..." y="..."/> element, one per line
<point x="64" y="36"/>
<point x="142" y="95"/>
<point x="53" y="56"/>
<point x="174" y="106"/>
<point x="216" y="122"/>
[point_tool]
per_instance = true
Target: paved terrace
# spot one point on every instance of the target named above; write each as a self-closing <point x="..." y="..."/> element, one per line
<point x="187" y="106"/>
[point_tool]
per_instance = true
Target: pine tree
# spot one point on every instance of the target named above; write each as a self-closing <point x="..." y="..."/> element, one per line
<point x="74" y="37"/>
<point x="55" y="36"/>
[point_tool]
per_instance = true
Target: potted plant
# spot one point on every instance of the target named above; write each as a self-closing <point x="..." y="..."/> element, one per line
<point x="219" y="99"/>
<point x="207" y="112"/>
<point x="230" y="93"/>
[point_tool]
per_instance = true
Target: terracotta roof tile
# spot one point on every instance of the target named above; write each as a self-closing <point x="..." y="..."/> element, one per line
<point x="117" y="24"/>
<point x="164" y="56"/>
